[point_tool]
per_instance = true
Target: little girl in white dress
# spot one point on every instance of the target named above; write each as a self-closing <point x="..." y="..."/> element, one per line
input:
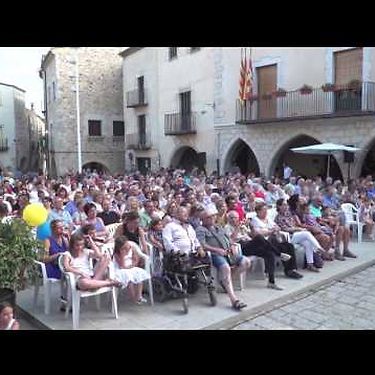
<point x="126" y="261"/>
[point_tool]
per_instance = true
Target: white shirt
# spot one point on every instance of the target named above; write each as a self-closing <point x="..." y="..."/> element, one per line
<point x="82" y="263"/>
<point x="287" y="172"/>
<point x="178" y="237"/>
<point x="260" y="224"/>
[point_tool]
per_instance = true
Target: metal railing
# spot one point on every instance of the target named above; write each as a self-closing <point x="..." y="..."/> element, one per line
<point x="4" y="144"/>
<point x="178" y="123"/>
<point x="136" y="98"/>
<point x="331" y="101"/>
<point x="138" y="141"/>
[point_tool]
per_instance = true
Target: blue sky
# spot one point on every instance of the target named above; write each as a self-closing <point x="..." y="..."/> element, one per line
<point x="19" y="66"/>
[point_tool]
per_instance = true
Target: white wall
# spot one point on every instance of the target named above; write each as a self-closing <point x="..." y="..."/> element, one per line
<point x="194" y="72"/>
<point x="7" y="119"/>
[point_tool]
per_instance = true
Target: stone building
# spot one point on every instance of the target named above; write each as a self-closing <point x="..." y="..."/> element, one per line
<point x="13" y="129"/>
<point x="36" y="145"/>
<point x="192" y="112"/>
<point x="100" y="103"/>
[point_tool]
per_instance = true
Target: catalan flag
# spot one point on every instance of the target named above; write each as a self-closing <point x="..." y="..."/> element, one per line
<point x="246" y="77"/>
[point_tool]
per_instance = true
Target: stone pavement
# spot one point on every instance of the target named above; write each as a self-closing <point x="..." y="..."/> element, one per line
<point x="345" y="304"/>
<point x="168" y="315"/>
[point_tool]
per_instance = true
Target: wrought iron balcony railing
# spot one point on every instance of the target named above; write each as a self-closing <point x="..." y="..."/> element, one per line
<point x="138" y="141"/>
<point x="327" y="101"/>
<point x="179" y="124"/>
<point x="4" y="144"/>
<point x="136" y="98"/>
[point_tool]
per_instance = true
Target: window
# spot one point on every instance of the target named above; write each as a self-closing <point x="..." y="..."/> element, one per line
<point x="54" y="90"/>
<point x="141" y="89"/>
<point x="142" y="129"/>
<point x="118" y="128"/>
<point x="185" y="110"/>
<point x="194" y="49"/>
<point x="172" y="53"/>
<point x="95" y="128"/>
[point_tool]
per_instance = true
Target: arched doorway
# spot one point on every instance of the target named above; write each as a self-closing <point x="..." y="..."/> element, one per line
<point x="303" y="164"/>
<point x="185" y="158"/>
<point x="241" y="158"/>
<point x="368" y="166"/>
<point x="95" y="166"/>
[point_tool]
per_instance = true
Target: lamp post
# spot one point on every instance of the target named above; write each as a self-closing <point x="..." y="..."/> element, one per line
<point x="79" y="150"/>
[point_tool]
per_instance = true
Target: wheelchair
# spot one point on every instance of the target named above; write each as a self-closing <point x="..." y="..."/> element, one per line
<point x="181" y="275"/>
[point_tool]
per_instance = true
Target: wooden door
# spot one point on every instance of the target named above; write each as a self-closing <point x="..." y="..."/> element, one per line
<point x="348" y="68"/>
<point x="267" y="84"/>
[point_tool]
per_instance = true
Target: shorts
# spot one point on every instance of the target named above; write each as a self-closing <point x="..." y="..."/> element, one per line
<point x="218" y="260"/>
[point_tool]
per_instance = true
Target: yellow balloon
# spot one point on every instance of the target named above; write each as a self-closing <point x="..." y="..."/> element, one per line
<point x="35" y="214"/>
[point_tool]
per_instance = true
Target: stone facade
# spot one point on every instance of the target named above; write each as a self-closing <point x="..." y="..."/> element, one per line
<point x="269" y="141"/>
<point x="36" y="144"/>
<point x="100" y="81"/>
<point x="14" y="130"/>
<point x="164" y="80"/>
<point x="212" y="76"/>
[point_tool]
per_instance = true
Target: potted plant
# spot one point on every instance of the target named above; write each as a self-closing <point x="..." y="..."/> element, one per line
<point x="305" y="89"/>
<point x="18" y="250"/>
<point x="280" y="92"/>
<point x="355" y="85"/>
<point x="328" y="87"/>
<point x="253" y="98"/>
<point x="267" y="96"/>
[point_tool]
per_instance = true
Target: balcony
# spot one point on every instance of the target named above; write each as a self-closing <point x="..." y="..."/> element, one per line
<point x="289" y="105"/>
<point x="180" y="124"/>
<point x="4" y="144"/>
<point x="138" y="141"/>
<point x="136" y="98"/>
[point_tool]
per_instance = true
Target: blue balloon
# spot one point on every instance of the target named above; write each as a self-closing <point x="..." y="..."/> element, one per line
<point x="44" y="231"/>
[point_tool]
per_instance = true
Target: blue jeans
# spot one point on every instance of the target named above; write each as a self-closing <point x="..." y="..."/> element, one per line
<point x="218" y="260"/>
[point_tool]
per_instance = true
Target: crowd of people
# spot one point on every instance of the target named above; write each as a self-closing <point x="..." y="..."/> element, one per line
<point x="231" y="217"/>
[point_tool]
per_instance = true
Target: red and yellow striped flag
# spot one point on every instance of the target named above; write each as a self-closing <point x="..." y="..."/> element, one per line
<point x="246" y="77"/>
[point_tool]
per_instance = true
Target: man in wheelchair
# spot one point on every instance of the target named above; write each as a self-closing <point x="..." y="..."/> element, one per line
<point x="184" y="254"/>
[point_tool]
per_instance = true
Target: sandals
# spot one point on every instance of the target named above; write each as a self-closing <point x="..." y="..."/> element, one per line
<point x="141" y="301"/>
<point x="238" y="305"/>
<point x="312" y="268"/>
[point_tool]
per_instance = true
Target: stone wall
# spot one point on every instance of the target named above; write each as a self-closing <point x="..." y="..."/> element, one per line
<point x="100" y="79"/>
<point x="269" y="140"/>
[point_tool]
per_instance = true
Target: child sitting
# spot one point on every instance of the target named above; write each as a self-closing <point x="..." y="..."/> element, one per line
<point x="127" y="270"/>
<point x="7" y="320"/>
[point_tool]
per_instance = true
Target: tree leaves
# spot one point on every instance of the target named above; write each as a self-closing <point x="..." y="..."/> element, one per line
<point x="18" y="250"/>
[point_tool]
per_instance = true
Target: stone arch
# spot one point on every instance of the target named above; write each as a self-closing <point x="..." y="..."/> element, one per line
<point x="303" y="164"/>
<point x="185" y="157"/>
<point x="241" y="156"/>
<point x="100" y="167"/>
<point x="366" y="161"/>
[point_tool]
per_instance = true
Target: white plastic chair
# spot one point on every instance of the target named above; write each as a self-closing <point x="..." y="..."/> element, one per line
<point x="108" y="248"/>
<point x="75" y="295"/>
<point x="111" y="228"/>
<point x="47" y="287"/>
<point x="147" y="268"/>
<point x="352" y="218"/>
<point x="272" y="213"/>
